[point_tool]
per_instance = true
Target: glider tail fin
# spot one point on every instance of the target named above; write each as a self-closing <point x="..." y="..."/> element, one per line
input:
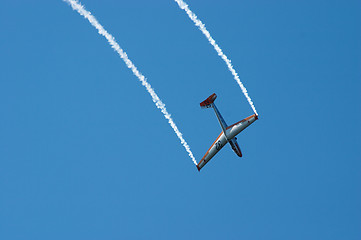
<point x="209" y="101"/>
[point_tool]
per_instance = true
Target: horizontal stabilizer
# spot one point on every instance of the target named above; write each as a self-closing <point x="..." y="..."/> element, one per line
<point x="208" y="102"/>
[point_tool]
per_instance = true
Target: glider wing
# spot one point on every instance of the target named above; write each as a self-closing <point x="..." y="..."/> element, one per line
<point x="217" y="145"/>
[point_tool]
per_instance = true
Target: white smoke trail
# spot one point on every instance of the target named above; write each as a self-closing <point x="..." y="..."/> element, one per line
<point x="202" y="27"/>
<point x="86" y="14"/>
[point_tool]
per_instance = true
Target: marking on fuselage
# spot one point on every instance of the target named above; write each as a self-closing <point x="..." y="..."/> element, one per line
<point x="218" y="145"/>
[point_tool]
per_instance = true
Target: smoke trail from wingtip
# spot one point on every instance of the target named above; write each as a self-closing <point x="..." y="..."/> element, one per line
<point x="204" y="30"/>
<point x="86" y="14"/>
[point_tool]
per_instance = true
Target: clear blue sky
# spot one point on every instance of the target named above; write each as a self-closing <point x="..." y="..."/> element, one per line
<point x="85" y="154"/>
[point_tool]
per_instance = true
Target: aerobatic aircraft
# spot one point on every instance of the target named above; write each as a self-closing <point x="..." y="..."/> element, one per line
<point x="228" y="133"/>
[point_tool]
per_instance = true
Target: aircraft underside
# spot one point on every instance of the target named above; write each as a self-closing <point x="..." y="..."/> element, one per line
<point x="228" y="133"/>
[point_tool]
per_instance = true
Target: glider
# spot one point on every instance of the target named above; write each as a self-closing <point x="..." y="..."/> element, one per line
<point x="228" y="133"/>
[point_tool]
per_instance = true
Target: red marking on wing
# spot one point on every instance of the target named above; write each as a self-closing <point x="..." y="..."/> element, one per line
<point x="209" y="149"/>
<point x="246" y="119"/>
